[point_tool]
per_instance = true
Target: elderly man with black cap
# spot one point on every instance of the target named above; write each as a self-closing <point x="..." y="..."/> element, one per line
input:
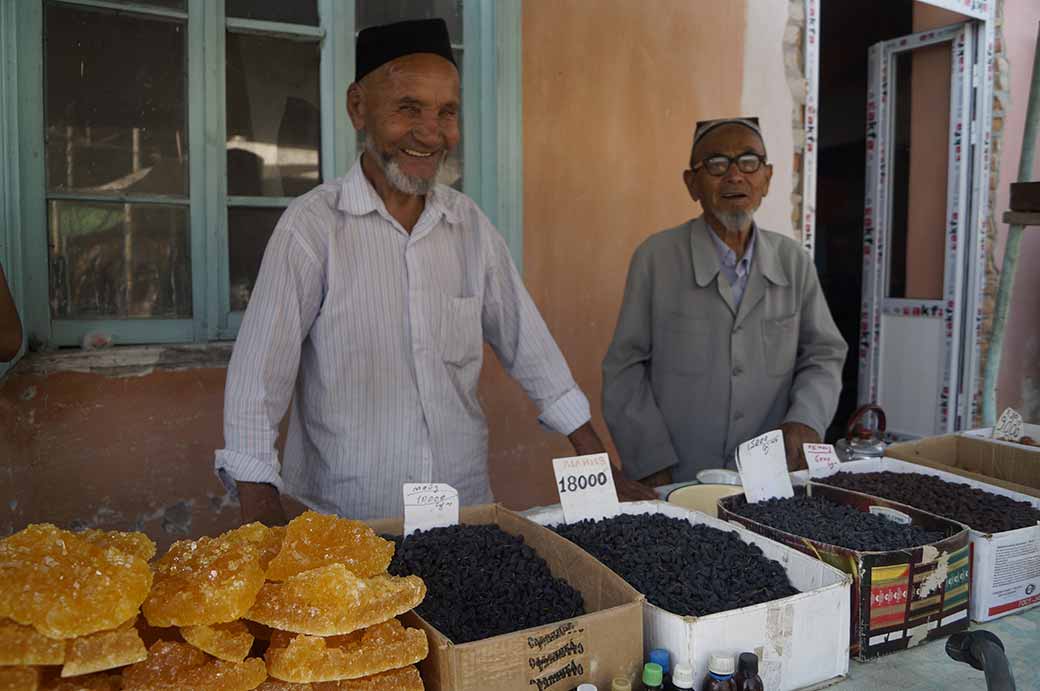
<point x="724" y="333"/>
<point x="376" y="294"/>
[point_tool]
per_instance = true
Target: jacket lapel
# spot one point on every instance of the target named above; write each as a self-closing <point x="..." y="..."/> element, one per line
<point x="706" y="261"/>
<point x="765" y="269"/>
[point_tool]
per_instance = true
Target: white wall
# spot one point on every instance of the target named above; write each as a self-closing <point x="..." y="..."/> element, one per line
<point x="765" y="93"/>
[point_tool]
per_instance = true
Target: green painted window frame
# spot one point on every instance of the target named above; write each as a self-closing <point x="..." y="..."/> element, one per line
<point x="493" y="169"/>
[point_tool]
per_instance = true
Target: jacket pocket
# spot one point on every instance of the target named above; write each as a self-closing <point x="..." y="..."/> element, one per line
<point x="462" y="336"/>
<point x="683" y="344"/>
<point x="780" y="344"/>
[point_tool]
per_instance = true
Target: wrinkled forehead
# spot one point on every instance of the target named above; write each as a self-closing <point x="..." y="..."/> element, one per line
<point x="414" y="74"/>
<point x="730" y="140"/>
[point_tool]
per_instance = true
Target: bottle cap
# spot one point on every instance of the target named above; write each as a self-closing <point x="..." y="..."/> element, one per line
<point x="682" y="677"/>
<point x="621" y="684"/>
<point x="661" y="657"/>
<point x="749" y="663"/>
<point x="586" y="687"/>
<point x="652" y="674"/>
<point x="721" y="665"/>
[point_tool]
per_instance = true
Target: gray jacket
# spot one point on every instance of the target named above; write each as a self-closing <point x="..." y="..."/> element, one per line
<point x="688" y="378"/>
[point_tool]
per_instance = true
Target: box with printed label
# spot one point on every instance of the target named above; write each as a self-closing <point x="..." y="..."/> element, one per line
<point x="605" y="642"/>
<point x="975" y="455"/>
<point x="801" y="640"/>
<point x="1005" y="566"/>
<point x="900" y="598"/>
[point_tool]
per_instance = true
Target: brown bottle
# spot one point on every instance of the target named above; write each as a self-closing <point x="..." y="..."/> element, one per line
<point x="720" y="674"/>
<point x="747" y="678"/>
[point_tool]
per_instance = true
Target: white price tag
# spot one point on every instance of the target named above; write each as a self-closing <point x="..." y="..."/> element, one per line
<point x="822" y="459"/>
<point x="762" y="463"/>
<point x="891" y="514"/>
<point x="429" y="505"/>
<point x="586" y="487"/>
<point x="1009" y="426"/>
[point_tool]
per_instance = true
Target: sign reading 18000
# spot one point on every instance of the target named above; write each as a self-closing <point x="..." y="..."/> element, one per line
<point x="586" y="487"/>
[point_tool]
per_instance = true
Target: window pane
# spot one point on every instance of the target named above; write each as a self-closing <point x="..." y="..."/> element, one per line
<point x="288" y="11"/>
<point x="114" y="261"/>
<point x="273" y="116"/>
<point x="249" y="229"/>
<point x="375" y="12"/>
<point x="115" y="90"/>
<point x="920" y="156"/>
<point x="168" y="4"/>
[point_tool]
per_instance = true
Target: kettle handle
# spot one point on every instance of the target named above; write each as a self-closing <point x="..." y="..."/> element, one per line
<point x="860" y="412"/>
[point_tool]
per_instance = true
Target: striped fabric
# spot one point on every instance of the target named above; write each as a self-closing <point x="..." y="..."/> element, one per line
<point x="736" y="273"/>
<point x="377" y="336"/>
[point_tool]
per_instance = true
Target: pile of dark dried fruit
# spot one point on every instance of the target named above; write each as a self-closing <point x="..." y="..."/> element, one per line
<point x="976" y="508"/>
<point x="482" y="582"/>
<point x="684" y="568"/>
<point x="835" y="524"/>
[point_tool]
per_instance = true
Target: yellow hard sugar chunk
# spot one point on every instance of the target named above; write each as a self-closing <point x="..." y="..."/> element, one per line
<point x="231" y="641"/>
<point x="66" y="586"/>
<point x="404" y="679"/>
<point x="177" y="667"/>
<point x="378" y="648"/>
<point x="88" y="682"/>
<point x="330" y="601"/>
<point x="19" y="678"/>
<point x="313" y="540"/>
<point x="267" y="540"/>
<point x="103" y="650"/>
<point x="202" y="582"/>
<point x="24" y="645"/>
<point x="137" y="544"/>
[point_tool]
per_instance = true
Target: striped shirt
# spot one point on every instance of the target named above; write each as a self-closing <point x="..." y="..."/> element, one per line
<point x="736" y="273"/>
<point x="377" y="337"/>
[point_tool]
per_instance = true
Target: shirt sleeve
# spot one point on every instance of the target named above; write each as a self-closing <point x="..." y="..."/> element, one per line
<point x="821" y="356"/>
<point x="629" y="406"/>
<point x="520" y="338"/>
<point x="262" y="373"/>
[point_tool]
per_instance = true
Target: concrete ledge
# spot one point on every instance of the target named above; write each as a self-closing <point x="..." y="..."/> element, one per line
<point x="126" y="360"/>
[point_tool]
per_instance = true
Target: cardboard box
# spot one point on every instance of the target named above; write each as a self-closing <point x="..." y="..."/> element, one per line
<point x="1005" y="566"/>
<point x="801" y="640"/>
<point x="596" y="647"/>
<point x="899" y="598"/>
<point x="974" y="455"/>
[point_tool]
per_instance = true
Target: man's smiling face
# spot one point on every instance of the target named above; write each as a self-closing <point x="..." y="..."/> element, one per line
<point x="409" y="112"/>
<point x="733" y="197"/>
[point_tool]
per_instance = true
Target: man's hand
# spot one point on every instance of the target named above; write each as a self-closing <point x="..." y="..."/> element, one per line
<point x="260" y="502"/>
<point x="585" y="441"/>
<point x="796" y="434"/>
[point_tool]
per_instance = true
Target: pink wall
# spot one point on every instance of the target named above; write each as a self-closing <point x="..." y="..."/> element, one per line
<point x="1019" y="383"/>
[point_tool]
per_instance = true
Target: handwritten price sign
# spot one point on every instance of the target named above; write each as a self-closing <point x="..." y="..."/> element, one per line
<point x="1009" y="426"/>
<point x="762" y="463"/>
<point x="821" y="459"/>
<point x="586" y="487"/>
<point x="429" y="505"/>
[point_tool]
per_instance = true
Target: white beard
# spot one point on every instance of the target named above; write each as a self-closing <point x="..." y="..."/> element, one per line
<point x="406" y="184"/>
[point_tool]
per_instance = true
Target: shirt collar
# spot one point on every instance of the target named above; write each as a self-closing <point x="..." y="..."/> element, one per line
<point x="706" y="263"/>
<point x="728" y="257"/>
<point x="358" y="198"/>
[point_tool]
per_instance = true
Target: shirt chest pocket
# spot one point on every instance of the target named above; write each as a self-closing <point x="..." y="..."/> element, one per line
<point x="683" y="344"/>
<point x="462" y="338"/>
<point x="780" y="344"/>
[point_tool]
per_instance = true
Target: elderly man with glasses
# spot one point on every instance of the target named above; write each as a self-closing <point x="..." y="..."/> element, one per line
<point x="724" y="333"/>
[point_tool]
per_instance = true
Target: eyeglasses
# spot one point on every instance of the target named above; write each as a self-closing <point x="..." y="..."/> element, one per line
<point x="718" y="165"/>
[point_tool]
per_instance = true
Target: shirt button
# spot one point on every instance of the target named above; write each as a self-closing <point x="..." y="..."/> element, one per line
<point x="738" y="415"/>
<point x="737" y="371"/>
<point x="738" y="329"/>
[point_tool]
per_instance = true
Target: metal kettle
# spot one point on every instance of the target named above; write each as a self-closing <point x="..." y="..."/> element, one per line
<point x="863" y="442"/>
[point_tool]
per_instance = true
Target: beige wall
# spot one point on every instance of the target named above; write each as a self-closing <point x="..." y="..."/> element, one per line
<point x="1019" y="383"/>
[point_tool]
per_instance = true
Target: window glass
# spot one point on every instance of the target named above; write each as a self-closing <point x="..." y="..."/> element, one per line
<point x="249" y="229"/>
<point x="117" y="261"/>
<point x="273" y="116"/>
<point x="115" y="125"/>
<point x="284" y="11"/>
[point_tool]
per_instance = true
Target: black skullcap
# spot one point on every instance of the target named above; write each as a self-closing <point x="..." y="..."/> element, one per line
<point x="378" y="45"/>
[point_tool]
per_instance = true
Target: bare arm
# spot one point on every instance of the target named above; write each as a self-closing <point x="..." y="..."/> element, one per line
<point x="261" y="502"/>
<point x="585" y="441"/>
<point x="10" y="324"/>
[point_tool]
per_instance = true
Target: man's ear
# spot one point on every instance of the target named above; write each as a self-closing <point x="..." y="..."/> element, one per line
<point x="356" y="106"/>
<point x="769" y="176"/>
<point x="688" y="177"/>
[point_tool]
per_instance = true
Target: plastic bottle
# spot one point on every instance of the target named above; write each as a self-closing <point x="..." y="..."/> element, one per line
<point x="661" y="657"/>
<point x="652" y="677"/>
<point x="621" y="684"/>
<point x="682" y="677"/>
<point x="586" y="687"/>
<point x="747" y="678"/>
<point x="720" y="674"/>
